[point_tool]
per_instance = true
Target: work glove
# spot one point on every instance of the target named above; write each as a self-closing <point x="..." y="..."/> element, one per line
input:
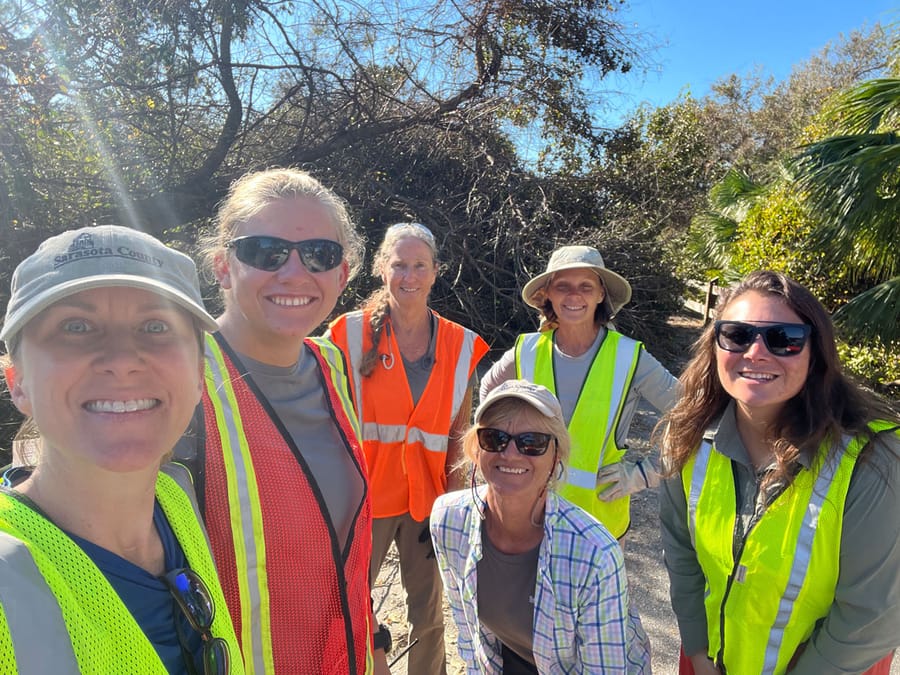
<point x="626" y="478"/>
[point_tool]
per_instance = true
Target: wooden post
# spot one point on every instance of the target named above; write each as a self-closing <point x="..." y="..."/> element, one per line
<point x="711" y="299"/>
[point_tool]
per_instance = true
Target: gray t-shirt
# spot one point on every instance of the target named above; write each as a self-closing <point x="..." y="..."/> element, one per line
<point x="298" y="399"/>
<point x="419" y="371"/>
<point x="506" y="584"/>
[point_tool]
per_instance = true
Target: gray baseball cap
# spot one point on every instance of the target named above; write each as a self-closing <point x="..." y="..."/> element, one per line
<point x="537" y="396"/>
<point x="98" y="257"/>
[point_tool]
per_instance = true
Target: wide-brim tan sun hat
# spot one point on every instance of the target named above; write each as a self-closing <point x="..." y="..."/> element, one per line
<point x="618" y="290"/>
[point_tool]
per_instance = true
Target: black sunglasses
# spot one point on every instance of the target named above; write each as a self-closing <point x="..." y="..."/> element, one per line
<point x="530" y="443"/>
<point x="193" y="598"/>
<point x="781" y="339"/>
<point x="271" y="253"/>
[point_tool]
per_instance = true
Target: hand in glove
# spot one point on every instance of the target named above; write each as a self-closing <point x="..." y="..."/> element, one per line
<point x="626" y="478"/>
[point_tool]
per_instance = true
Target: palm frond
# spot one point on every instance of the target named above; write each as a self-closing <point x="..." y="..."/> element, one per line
<point x="735" y="194"/>
<point x="867" y="106"/>
<point x="851" y="184"/>
<point x="875" y="312"/>
<point x="710" y="239"/>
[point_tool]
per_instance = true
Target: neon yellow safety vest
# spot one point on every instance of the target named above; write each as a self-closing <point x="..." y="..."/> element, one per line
<point x="594" y="421"/>
<point x="765" y="604"/>
<point x="59" y="614"/>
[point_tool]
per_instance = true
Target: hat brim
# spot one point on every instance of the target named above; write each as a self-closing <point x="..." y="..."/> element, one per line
<point x="18" y="319"/>
<point x="500" y="392"/>
<point x="618" y="290"/>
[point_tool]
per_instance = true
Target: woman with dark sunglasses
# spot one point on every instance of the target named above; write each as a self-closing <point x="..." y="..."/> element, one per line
<point x="781" y="510"/>
<point x="412" y="372"/>
<point x="275" y="445"/>
<point x="536" y="585"/>
<point x="104" y="565"/>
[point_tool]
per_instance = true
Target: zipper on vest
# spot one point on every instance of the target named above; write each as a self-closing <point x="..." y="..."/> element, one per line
<point x="737" y="570"/>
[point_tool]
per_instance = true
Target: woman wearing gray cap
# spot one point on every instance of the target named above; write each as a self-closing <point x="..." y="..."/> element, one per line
<point x="535" y="584"/>
<point x="104" y="566"/>
<point x="598" y="375"/>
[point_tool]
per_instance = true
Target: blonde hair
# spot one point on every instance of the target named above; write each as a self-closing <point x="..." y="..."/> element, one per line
<point x="378" y="302"/>
<point x="251" y="193"/>
<point x="507" y="410"/>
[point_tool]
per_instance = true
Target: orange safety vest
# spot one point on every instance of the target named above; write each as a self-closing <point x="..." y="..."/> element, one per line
<point x="406" y="445"/>
<point x="299" y="601"/>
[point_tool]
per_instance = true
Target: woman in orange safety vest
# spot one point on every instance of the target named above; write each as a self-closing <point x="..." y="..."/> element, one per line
<point x="412" y="374"/>
<point x="277" y="457"/>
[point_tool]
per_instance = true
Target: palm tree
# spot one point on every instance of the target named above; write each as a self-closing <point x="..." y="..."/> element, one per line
<point x="713" y="230"/>
<point x="851" y="182"/>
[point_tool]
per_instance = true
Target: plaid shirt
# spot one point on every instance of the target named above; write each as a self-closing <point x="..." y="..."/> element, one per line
<point x="582" y="622"/>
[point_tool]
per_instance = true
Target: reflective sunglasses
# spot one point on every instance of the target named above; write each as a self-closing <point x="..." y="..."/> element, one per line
<point x="271" y="253"/>
<point x="193" y="598"/>
<point x="781" y="339"/>
<point x="530" y="443"/>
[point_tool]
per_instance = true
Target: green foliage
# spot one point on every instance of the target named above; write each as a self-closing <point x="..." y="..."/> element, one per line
<point x="874" y="362"/>
<point x="850" y="181"/>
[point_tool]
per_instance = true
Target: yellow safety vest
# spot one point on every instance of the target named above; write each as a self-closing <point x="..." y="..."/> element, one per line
<point x="594" y="421"/>
<point x="60" y="614"/>
<point x="761" y="607"/>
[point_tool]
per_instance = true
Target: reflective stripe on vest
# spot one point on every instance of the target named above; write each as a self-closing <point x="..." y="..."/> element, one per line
<point x="91" y="629"/>
<point x="784" y="581"/>
<point x="594" y="420"/>
<point x="395" y="433"/>
<point x="249" y="549"/>
<point x="29" y="631"/>
<point x="245" y="512"/>
<point x="406" y="444"/>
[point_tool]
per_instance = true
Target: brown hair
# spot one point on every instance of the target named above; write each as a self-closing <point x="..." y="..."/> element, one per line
<point x="251" y="193"/>
<point x="378" y="302"/>
<point x="829" y="405"/>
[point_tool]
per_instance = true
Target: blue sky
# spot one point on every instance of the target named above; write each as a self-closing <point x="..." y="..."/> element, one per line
<point x="700" y="41"/>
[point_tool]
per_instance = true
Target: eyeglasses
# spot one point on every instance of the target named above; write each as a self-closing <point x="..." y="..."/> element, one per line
<point x="530" y="443"/>
<point x="271" y="253"/>
<point x="781" y="339"/>
<point x="193" y="598"/>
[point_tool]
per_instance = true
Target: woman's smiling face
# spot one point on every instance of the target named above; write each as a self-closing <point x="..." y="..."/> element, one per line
<point x="510" y="472"/>
<point x="575" y="294"/>
<point x="760" y="382"/>
<point x="111" y="377"/>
